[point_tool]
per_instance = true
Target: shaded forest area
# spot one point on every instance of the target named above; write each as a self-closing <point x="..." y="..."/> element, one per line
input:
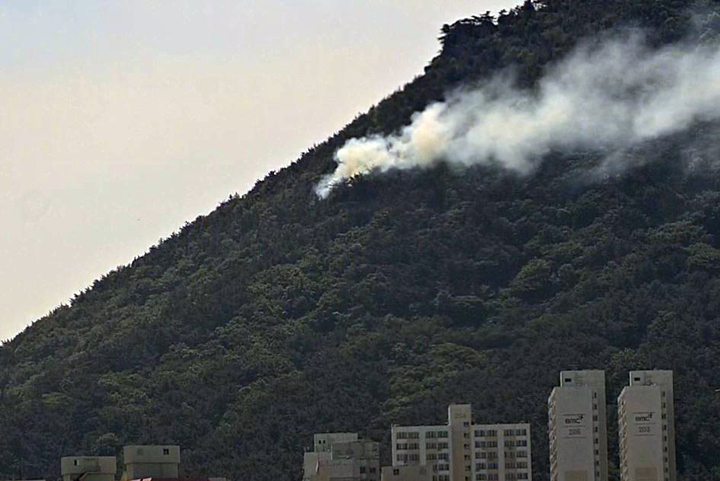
<point x="279" y="315"/>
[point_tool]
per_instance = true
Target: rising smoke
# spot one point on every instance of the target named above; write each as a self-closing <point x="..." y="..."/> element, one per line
<point x="611" y="96"/>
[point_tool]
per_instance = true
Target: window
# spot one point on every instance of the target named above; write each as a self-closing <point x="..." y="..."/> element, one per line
<point x="479" y="444"/>
<point x="373" y="469"/>
<point x="166" y="451"/>
<point x="444" y="456"/>
<point x="480" y="466"/>
<point x="509" y="444"/>
<point x="430" y="446"/>
<point x="466" y="435"/>
<point x="481" y="477"/>
<point x="492" y="465"/>
<point x="442" y="445"/>
<point x="414" y="435"/>
<point x="415" y="457"/>
<point x="363" y="469"/>
<point x="413" y="446"/>
<point x="75" y="462"/>
<point x="568" y="379"/>
<point x="431" y="456"/>
<point x="508" y="432"/>
<point x="442" y="434"/>
<point x="492" y="433"/>
<point x="522" y="454"/>
<point x="480" y="455"/>
<point x="466" y="423"/>
<point x="401" y="446"/>
<point x="444" y="467"/>
<point x="402" y="435"/>
<point x="396" y="472"/>
<point x="480" y="433"/>
<point x="521" y="442"/>
<point x="430" y="434"/>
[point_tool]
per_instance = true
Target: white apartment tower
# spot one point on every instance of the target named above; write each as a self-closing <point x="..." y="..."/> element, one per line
<point x="578" y="427"/>
<point x="463" y="451"/>
<point x="646" y="417"/>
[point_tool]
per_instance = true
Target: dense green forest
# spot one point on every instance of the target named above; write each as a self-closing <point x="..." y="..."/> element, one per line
<point x="279" y="315"/>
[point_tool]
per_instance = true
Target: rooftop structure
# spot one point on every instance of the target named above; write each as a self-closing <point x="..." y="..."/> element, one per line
<point x="151" y="462"/>
<point x="88" y="468"/>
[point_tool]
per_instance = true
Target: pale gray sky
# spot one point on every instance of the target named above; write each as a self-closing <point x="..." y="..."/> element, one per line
<point x="122" y="119"/>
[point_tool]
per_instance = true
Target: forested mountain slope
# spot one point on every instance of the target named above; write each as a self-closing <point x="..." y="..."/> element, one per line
<point x="279" y="314"/>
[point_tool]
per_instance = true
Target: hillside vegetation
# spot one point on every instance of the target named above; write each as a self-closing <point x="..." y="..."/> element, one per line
<point x="279" y="315"/>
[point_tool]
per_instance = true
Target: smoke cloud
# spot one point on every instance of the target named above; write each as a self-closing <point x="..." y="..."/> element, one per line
<point x="612" y="95"/>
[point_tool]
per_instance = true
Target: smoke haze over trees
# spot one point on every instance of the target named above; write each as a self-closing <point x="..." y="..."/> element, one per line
<point x="279" y="314"/>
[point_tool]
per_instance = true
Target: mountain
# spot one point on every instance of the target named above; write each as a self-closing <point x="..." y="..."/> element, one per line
<point x="279" y="314"/>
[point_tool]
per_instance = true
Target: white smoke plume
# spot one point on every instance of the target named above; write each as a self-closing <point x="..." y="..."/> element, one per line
<point x="612" y="95"/>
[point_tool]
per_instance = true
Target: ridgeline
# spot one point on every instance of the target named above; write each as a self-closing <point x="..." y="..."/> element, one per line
<point x="279" y="315"/>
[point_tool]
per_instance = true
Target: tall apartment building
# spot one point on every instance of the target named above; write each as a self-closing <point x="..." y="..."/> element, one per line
<point x="464" y="451"/>
<point x="646" y="417"/>
<point x="342" y="457"/>
<point x="578" y="427"/>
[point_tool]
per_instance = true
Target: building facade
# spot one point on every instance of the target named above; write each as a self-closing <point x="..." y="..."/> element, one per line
<point x="464" y="451"/>
<point x="577" y="427"/>
<point x="416" y="472"/>
<point x="88" y="468"/>
<point x="151" y="462"/>
<point x="342" y="457"/>
<point x="646" y="418"/>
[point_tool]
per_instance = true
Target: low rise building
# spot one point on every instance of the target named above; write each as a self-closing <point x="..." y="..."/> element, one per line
<point x="88" y="468"/>
<point x="342" y="457"/>
<point x="151" y="462"/>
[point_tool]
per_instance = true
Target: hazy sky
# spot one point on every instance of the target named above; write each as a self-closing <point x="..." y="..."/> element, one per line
<point x="122" y="119"/>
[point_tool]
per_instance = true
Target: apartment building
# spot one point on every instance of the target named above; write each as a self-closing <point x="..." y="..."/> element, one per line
<point x="646" y="417"/>
<point x="578" y="427"/>
<point x="342" y="457"/>
<point x="464" y="451"/>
